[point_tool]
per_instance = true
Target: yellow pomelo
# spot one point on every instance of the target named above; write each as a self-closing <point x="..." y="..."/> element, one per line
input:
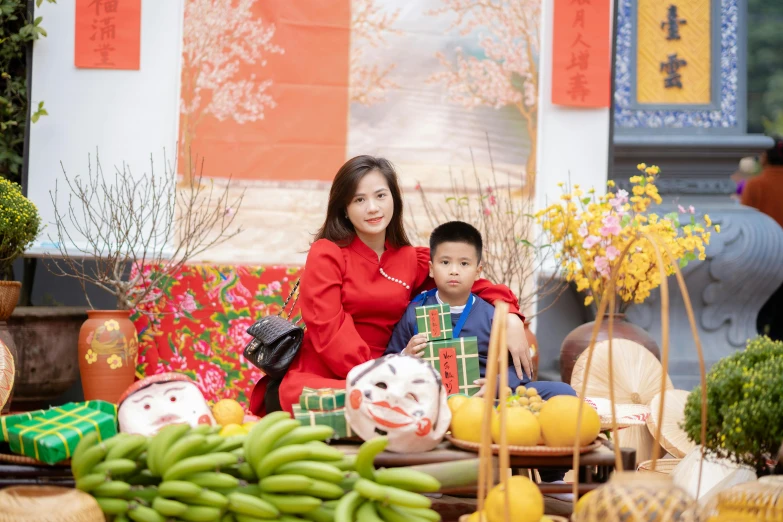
<point x="230" y="430"/>
<point x="526" y="504"/>
<point x="228" y="411"/>
<point x="467" y="420"/>
<point x="522" y="428"/>
<point x="558" y="418"/>
<point x="582" y="502"/>
<point x="455" y="401"/>
<point x="476" y="516"/>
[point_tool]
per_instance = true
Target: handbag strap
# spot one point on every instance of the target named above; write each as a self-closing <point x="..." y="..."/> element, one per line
<point x="288" y="299"/>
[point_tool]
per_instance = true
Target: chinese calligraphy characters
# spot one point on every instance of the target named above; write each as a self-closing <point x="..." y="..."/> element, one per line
<point x="581" y="51"/>
<point x="448" y="369"/>
<point x="673" y="22"/>
<point x="673" y="64"/>
<point x="670" y="67"/>
<point x="108" y="34"/>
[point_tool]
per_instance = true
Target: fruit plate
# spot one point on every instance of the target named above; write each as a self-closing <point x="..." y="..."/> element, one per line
<point x="553" y="518"/>
<point x="525" y="451"/>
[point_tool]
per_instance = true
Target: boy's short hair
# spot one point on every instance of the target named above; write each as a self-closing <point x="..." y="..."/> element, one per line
<point x="456" y="232"/>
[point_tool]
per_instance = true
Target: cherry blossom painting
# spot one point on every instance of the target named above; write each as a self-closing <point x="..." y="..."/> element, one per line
<point x="278" y="94"/>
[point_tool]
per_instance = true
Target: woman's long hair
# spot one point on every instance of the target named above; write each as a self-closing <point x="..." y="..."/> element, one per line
<point x="337" y="227"/>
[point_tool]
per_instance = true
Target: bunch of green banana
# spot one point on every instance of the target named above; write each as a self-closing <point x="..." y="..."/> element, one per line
<point x="385" y="495"/>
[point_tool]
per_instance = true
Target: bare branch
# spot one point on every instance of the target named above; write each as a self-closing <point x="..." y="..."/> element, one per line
<point x="133" y="223"/>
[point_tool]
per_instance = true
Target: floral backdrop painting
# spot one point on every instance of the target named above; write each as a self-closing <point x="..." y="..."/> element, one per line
<point x="277" y="95"/>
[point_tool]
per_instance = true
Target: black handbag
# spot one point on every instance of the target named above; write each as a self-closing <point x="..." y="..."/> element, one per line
<point x="275" y="341"/>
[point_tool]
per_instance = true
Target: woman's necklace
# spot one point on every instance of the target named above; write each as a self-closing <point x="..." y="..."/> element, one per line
<point x="394" y="279"/>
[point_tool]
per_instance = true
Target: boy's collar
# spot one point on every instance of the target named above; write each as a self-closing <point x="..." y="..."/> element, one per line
<point x="454" y="309"/>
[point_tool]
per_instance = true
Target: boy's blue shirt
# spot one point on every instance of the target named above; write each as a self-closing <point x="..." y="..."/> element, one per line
<point x="478" y="325"/>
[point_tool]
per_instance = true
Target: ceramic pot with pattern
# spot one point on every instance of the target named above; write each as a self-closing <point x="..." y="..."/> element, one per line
<point x="108" y="346"/>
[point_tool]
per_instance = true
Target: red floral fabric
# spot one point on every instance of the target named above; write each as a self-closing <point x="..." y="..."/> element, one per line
<point x="196" y="323"/>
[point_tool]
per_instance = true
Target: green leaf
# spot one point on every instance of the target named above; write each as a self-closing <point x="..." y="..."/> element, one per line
<point x="34" y="118"/>
<point x="586" y="200"/>
<point x="683" y="262"/>
<point x="37" y="20"/>
<point x="626" y="219"/>
<point x="526" y="242"/>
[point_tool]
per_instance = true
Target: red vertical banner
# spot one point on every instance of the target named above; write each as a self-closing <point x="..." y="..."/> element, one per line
<point x="448" y="370"/>
<point x="581" y="53"/>
<point x="108" y="34"/>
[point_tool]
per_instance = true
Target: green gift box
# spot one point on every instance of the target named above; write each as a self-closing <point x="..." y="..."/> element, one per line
<point x="9" y="421"/>
<point x="435" y="321"/>
<point x="457" y="361"/>
<point x="52" y="436"/>
<point x="335" y="418"/>
<point x="322" y="399"/>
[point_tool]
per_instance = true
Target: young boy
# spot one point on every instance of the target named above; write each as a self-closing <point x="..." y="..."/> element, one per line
<point x="455" y="264"/>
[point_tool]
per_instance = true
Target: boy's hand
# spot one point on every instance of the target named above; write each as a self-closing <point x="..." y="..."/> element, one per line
<point x="416" y="345"/>
<point x="483" y="383"/>
<point x="518" y="346"/>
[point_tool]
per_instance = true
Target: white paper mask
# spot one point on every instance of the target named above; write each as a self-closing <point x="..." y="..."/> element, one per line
<point x="401" y="397"/>
<point x="168" y="398"/>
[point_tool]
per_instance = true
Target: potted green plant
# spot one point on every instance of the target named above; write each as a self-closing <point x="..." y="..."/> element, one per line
<point x="744" y="406"/>
<point x="20" y="224"/>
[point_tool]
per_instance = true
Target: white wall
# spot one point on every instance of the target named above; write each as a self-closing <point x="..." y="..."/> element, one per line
<point x="572" y="142"/>
<point x="126" y="115"/>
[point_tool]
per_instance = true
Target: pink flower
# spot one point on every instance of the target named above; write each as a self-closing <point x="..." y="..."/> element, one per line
<point x="691" y="209"/>
<point x="493" y="200"/>
<point x="583" y="230"/>
<point x="211" y="380"/>
<point x="611" y="226"/>
<point x="591" y="241"/>
<point x="418" y="186"/>
<point x="602" y="265"/>
<point x="487" y="211"/>
<point x="612" y="253"/>
<point x="681" y="209"/>
<point x="620" y="199"/>
<point x="489" y="190"/>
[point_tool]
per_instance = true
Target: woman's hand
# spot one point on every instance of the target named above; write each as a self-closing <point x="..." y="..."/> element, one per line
<point x="518" y="346"/>
<point x="416" y="345"/>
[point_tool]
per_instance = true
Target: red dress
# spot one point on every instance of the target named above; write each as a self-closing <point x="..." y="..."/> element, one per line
<point x="350" y="308"/>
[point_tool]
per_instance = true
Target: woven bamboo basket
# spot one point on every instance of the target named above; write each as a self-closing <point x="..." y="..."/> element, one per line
<point x="650" y="496"/>
<point x="49" y="504"/>
<point x="662" y="466"/>
<point x="9" y="296"/>
<point x="759" y="500"/>
<point x="7" y="372"/>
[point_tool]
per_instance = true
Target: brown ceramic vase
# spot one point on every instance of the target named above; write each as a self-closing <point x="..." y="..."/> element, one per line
<point x="108" y="345"/>
<point x="578" y="340"/>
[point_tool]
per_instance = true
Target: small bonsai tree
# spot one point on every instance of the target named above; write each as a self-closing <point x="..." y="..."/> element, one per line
<point x="744" y="405"/>
<point x="20" y="224"/>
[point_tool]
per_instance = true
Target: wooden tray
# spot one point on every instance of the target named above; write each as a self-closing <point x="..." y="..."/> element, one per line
<point x="554" y="518"/>
<point x="29" y="461"/>
<point x="525" y="451"/>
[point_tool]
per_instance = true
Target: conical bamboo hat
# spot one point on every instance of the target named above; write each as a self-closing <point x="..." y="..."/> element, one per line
<point x="6" y="374"/>
<point x="637" y="373"/>
<point x="673" y="438"/>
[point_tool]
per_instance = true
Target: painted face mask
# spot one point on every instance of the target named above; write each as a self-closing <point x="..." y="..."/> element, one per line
<point x="400" y="397"/>
<point x="167" y="398"/>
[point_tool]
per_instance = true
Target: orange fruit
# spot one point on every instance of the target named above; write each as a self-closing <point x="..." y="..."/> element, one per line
<point x="522" y="428"/>
<point x="466" y="420"/>
<point x="228" y="411"/>
<point x="525" y="503"/>
<point x="455" y="401"/>
<point x="558" y="418"/>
